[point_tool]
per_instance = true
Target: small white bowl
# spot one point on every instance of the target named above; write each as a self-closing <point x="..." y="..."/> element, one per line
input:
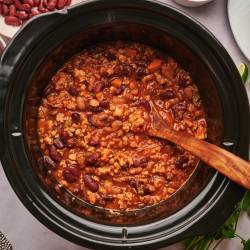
<point x="192" y="3"/>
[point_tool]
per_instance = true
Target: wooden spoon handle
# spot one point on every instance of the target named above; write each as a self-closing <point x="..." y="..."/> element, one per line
<point x="230" y="165"/>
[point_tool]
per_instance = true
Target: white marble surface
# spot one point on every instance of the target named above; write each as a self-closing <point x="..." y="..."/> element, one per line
<point x="26" y="233"/>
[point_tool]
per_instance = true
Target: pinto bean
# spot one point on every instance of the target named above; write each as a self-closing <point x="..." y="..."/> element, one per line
<point x="100" y="120"/>
<point x="80" y="103"/>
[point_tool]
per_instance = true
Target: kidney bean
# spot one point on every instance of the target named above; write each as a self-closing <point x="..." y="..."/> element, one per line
<point x="70" y="143"/>
<point x="54" y="154"/>
<point x="108" y="197"/>
<point x="183" y="78"/>
<point x="181" y="160"/>
<point x="91" y="183"/>
<point x="142" y="103"/>
<point x="22" y="15"/>
<point x="77" y="191"/>
<point x="99" y="86"/>
<point x="51" y="4"/>
<point x="126" y="70"/>
<point x="71" y="174"/>
<point x="41" y="8"/>
<point x="29" y="2"/>
<point x="119" y="90"/>
<point x="11" y="20"/>
<point x="104" y="104"/>
<point x="18" y="4"/>
<point x="68" y="2"/>
<point x="139" y="73"/>
<point x="34" y="12"/>
<point x="168" y="94"/>
<point x="41" y="166"/>
<point x="36" y="3"/>
<point x="141" y="63"/>
<point x="61" y="4"/>
<point x="76" y="118"/>
<point x="141" y="161"/>
<point x="92" y="159"/>
<point x="94" y="141"/>
<point x="58" y="143"/>
<point x="5" y="12"/>
<point x="110" y="56"/>
<point x="48" y="89"/>
<point x="64" y="138"/>
<point x="12" y="10"/>
<point x="1" y="9"/>
<point x="179" y="109"/>
<point x="49" y="162"/>
<point x="8" y="2"/>
<point x="133" y="183"/>
<point x="73" y="91"/>
<point x="26" y="7"/>
<point x="95" y="109"/>
<point x="100" y="120"/>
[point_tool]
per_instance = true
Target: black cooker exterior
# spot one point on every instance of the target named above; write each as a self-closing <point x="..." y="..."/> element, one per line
<point x="205" y="213"/>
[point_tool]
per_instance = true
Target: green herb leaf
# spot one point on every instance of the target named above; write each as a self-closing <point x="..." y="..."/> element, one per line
<point x="227" y="231"/>
<point x="246" y="245"/>
<point x="245" y="204"/>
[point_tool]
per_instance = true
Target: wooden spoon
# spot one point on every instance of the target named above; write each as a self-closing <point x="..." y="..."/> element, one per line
<point x="230" y="165"/>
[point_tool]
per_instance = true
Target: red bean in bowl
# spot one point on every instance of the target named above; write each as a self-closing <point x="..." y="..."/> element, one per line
<point x="16" y="12"/>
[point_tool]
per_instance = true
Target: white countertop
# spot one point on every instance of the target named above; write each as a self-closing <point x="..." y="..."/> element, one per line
<point x="26" y="233"/>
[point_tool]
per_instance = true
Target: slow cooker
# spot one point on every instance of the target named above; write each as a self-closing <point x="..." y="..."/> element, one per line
<point x="44" y="44"/>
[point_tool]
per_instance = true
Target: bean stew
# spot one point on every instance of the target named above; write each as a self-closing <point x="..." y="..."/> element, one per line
<point x="93" y="117"/>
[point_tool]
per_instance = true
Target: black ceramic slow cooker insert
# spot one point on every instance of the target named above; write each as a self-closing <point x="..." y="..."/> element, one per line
<point x="44" y="44"/>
